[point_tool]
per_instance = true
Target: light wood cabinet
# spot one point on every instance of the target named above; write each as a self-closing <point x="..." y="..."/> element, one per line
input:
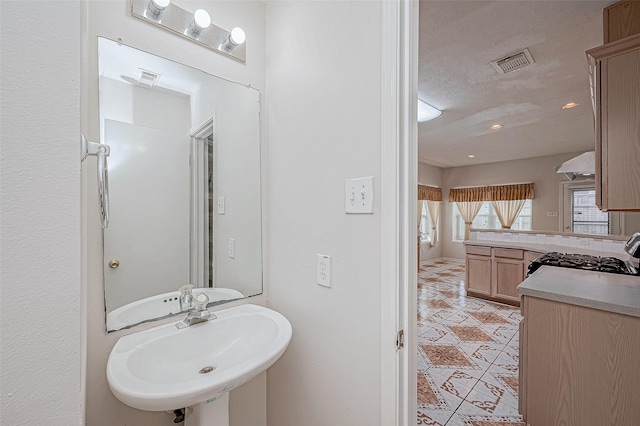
<point x="507" y="275"/>
<point x="578" y="366"/>
<point x="495" y="273"/>
<point x="478" y="274"/>
<point x="615" y="70"/>
<point x="620" y="20"/>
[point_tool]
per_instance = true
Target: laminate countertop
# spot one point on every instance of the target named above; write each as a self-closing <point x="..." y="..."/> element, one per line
<point x="545" y="248"/>
<point x="598" y="290"/>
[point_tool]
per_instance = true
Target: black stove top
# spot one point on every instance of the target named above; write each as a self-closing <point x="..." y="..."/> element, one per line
<point x="583" y="261"/>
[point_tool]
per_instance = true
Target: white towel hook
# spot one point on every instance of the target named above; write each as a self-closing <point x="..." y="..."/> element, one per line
<point x="102" y="152"/>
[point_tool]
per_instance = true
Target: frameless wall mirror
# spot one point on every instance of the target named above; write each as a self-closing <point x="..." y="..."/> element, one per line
<point x="184" y="177"/>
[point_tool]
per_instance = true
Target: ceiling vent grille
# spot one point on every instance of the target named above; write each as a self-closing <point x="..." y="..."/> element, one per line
<point x="147" y="78"/>
<point x="513" y="62"/>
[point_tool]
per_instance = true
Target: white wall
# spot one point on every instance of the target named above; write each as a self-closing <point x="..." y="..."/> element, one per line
<point x="111" y="19"/>
<point x="323" y="114"/>
<point x="40" y="299"/>
<point x="431" y="176"/>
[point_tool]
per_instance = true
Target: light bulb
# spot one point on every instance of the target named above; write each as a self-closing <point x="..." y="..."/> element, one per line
<point x="201" y="19"/>
<point x="156" y="7"/>
<point x="237" y="36"/>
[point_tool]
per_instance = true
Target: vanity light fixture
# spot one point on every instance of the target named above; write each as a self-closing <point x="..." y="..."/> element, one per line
<point x="196" y="27"/>
<point x="570" y="105"/>
<point x="235" y="39"/>
<point x="496" y="127"/>
<point x="201" y="21"/>
<point x="155" y="8"/>
<point x="426" y="112"/>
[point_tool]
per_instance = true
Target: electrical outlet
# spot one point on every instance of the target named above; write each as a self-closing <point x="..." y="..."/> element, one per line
<point x="552" y="214"/>
<point x="324" y="270"/>
<point x="232" y="248"/>
<point x="221" y="205"/>
<point x="584" y="241"/>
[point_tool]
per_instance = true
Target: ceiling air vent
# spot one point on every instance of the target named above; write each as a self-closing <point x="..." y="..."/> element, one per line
<point x="147" y="78"/>
<point x="513" y="62"/>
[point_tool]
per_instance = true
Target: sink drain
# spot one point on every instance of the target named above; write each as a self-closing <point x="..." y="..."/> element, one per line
<point x="206" y="370"/>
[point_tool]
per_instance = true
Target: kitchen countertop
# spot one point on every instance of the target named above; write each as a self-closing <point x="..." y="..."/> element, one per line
<point x="543" y="248"/>
<point x="598" y="290"/>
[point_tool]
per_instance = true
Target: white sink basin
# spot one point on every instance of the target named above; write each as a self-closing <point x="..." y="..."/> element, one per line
<point x="160" y="306"/>
<point x="160" y="369"/>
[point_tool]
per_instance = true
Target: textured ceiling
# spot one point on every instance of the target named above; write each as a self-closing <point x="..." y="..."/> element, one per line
<point x="459" y="39"/>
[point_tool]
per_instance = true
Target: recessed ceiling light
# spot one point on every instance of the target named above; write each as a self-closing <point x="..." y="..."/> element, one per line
<point x="570" y="105"/>
<point x="471" y="156"/>
<point x="496" y="127"/>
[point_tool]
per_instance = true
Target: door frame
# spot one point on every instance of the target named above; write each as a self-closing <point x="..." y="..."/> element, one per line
<point x="199" y="225"/>
<point x="399" y="164"/>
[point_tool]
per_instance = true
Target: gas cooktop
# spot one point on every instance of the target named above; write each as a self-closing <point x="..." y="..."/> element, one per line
<point x="583" y="261"/>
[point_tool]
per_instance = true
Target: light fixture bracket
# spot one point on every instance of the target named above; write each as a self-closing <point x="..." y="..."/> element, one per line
<point x="177" y="20"/>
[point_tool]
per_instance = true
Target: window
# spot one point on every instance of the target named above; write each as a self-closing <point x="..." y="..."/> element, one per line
<point x="581" y="215"/>
<point x="585" y="216"/>
<point x="425" y="224"/>
<point x="487" y="219"/>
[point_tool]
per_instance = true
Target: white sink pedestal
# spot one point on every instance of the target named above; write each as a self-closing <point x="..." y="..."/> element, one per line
<point x="214" y="413"/>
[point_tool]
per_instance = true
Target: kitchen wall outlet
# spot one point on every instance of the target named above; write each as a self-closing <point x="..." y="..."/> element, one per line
<point x="552" y="214"/>
<point x="359" y="195"/>
<point x="324" y="270"/>
<point x="221" y="205"/>
<point x="232" y="248"/>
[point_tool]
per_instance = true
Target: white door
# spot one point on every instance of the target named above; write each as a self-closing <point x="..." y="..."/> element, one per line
<point x="149" y="200"/>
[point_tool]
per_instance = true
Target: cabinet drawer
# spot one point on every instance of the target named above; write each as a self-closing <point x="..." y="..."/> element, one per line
<point x="508" y="253"/>
<point x="479" y="250"/>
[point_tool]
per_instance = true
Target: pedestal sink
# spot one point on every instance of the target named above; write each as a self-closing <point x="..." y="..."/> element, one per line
<point x="161" y="305"/>
<point x="165" y="368"/>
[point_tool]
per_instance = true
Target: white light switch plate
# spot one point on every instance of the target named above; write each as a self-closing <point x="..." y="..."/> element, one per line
<point x="221" y="205"/>
<point x="358" y="195"/>
<point x="324" y="270"/>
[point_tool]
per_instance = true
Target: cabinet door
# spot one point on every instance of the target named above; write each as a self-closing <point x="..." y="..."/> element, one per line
<point x="617" y="75"/>
<point x="621" y="141"/>
<point x="478" y="274"/>
<point x="507" y="274"/>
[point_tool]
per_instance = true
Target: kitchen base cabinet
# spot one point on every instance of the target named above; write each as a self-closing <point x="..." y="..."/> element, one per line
<point x="578" y="365"/>
<point x="508" y="273"/>
<point x="478" y="271"/>
<point x="494" y="273"/>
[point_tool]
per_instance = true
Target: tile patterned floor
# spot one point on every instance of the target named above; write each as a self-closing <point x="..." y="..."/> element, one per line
<point x="467" y="353"/>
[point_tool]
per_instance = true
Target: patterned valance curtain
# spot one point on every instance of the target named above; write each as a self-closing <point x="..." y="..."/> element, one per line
<point x="429" y="193"/>
<point x="520" y="191"/>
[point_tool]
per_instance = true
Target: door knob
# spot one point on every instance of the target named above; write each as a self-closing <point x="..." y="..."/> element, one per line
<point x="114" y="263"/>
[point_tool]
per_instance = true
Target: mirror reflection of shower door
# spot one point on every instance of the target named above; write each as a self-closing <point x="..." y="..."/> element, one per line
<point x="149" y="235"/>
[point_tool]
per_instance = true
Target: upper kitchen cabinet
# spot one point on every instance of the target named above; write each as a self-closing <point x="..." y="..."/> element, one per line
<point x="615" y="72"/>
<point x="620" y="20"/>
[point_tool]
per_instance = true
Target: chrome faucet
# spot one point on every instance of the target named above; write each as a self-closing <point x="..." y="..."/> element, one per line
<point x="186" y="298"/>
<point x="199" y="314"/>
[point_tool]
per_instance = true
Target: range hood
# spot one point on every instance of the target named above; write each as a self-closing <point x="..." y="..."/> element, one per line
<point x="584" y="165"/>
